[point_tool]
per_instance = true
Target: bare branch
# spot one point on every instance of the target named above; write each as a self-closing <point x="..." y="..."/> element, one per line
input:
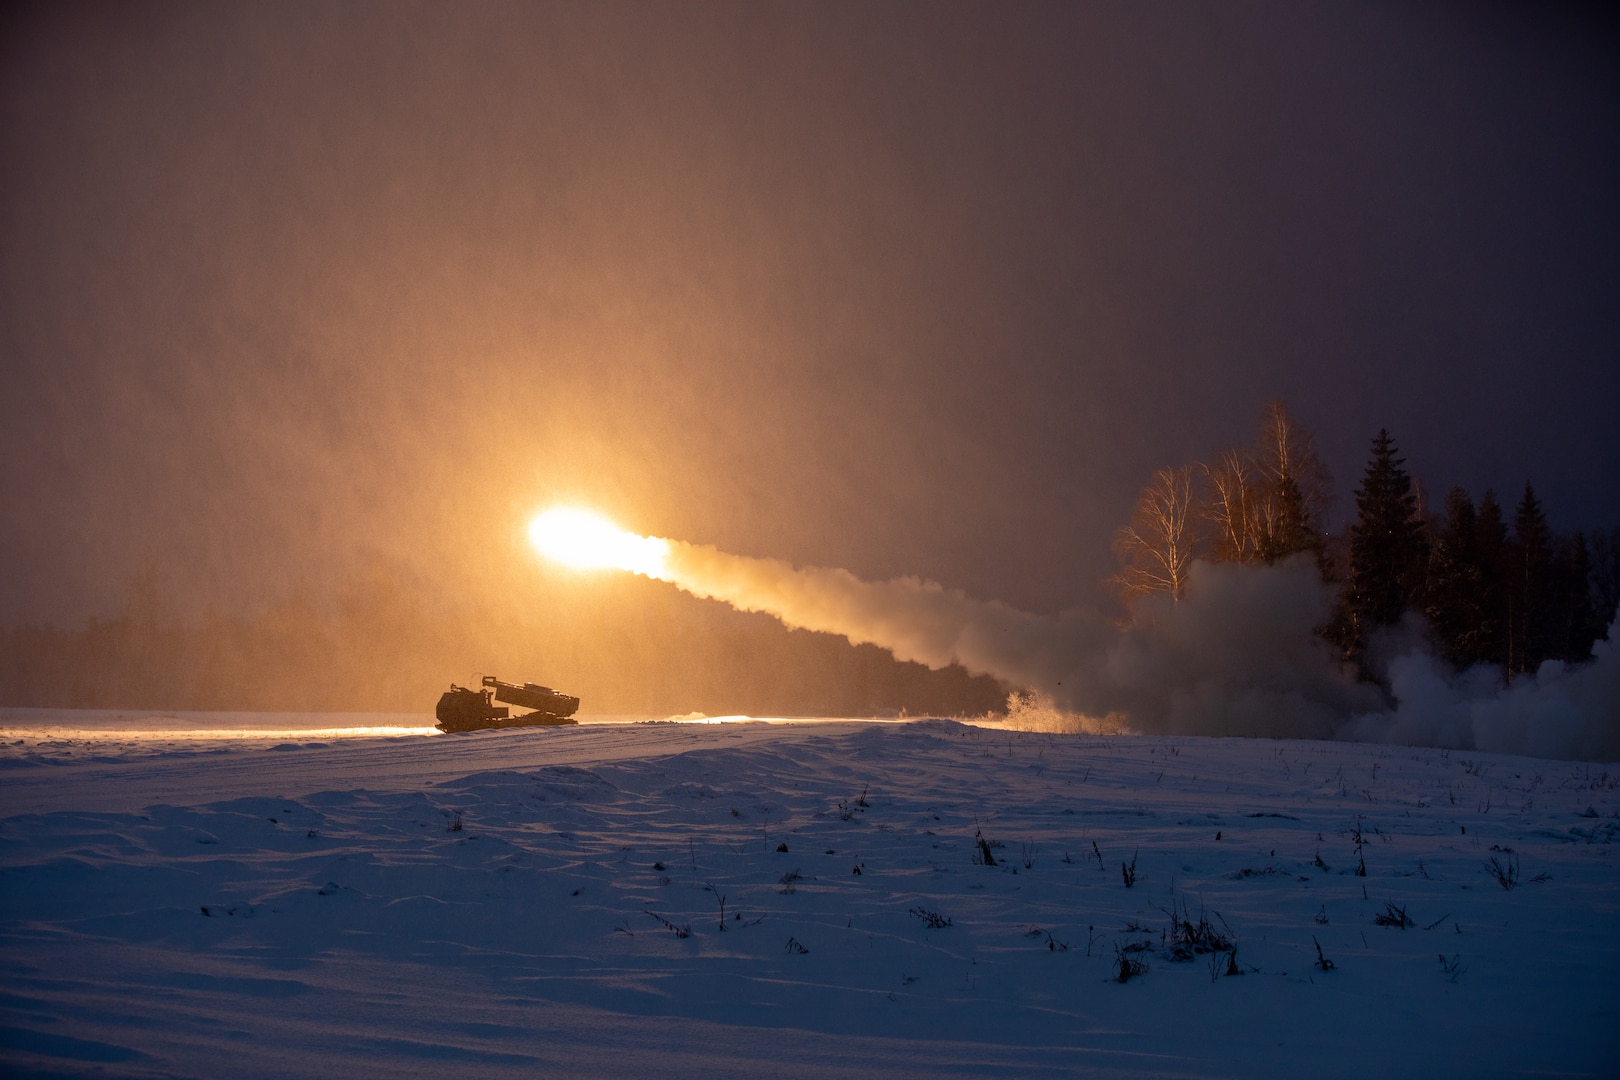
<point x="1157" y="547"/>
<point x="1228" y="507"/>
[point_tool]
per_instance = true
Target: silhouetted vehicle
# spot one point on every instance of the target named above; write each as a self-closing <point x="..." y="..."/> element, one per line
<point x="461" y="709"/>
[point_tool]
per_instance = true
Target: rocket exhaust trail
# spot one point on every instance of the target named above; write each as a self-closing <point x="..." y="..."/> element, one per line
<point x="912" y="618"/>
<point x="1237" y="658"/>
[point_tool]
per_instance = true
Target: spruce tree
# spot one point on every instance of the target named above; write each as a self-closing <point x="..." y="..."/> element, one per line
<point x="1605" y="578"/>
<point x="1290" y="530"/>
<point x="1454" y="602"/>
<point x="1387" y="546"/>
<point x="1574" y="616"/>
<point x="1529" y="598"/>
<point x="1491" y="548"/>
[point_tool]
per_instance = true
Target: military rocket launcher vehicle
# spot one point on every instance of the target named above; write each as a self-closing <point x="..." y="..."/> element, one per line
<point x="461" y="709"/>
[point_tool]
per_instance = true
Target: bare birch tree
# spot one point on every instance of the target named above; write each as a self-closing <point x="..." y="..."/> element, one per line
<point x="1294" y="486"/>
<point x="1228" y="507"/>
<point x="1266" y="502"/>
<point x="1157" y="547"/>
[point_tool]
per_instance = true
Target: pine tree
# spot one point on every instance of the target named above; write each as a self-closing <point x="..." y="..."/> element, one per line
<point x="1387" y="545"/>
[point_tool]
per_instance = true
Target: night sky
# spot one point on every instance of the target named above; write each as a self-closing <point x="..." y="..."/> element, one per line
<point x="293" y="292"/>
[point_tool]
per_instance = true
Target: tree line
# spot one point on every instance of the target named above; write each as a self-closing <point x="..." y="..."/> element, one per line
<point x="1490" y="590"/>
<point x="374" y="645"/>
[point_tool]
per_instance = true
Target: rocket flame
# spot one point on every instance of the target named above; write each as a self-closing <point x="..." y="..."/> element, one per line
<point x="585" y="541"/>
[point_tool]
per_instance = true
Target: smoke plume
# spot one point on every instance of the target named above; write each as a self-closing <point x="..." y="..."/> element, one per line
<point x="1560" y="711"/>
<point x="915" y="619"/>
<point x="1238" y="655"/>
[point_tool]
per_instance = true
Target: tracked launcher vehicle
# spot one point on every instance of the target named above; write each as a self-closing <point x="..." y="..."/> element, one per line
<point x="461" y="709"/>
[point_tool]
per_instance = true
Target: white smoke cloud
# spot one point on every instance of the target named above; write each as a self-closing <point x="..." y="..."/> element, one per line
<point x="914" y="619"/>
<point x="1237" y="656"/>
<point x="1561" y="711"/>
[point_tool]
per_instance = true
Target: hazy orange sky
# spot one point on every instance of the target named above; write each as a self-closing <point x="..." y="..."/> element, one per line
<point x="292" y="290"/>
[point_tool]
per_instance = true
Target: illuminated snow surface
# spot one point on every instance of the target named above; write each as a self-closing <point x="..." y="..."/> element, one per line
<point x="292" y="896"/>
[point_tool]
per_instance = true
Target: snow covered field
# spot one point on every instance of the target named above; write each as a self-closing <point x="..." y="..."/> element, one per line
<point x="794" y="899"/>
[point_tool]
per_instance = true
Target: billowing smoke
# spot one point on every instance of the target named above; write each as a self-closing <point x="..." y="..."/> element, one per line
<point x="1237" y="656"/>
<point x="912" y="618"/>
<point x="1561" y="711"/>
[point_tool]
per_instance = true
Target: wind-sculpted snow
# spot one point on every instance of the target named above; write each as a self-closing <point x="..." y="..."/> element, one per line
<point x="800" y="900"/>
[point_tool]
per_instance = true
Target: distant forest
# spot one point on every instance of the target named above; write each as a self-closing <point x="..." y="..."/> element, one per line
<point x="375" y="649"/>
<point x="1490" y="589"/>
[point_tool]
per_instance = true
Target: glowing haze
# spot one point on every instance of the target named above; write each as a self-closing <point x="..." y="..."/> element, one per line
<point x="767" y="271"/>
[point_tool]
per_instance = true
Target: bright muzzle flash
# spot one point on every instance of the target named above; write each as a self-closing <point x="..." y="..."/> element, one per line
<point x="586" y="541"/>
